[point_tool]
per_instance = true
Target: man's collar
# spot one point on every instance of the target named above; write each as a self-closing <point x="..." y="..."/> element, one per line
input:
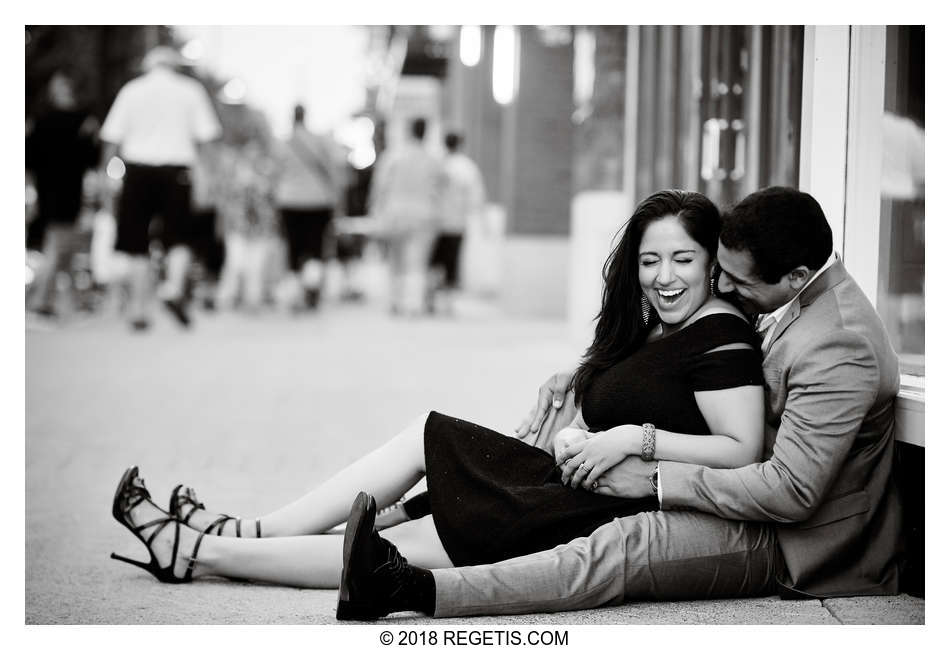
<point x="778" y="313"/>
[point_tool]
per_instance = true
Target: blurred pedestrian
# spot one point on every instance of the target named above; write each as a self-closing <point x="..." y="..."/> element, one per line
<point x="461" y="201"/>
<point x="156" y="124"/>
<point x="403" y="195"/>
<point x="352" y="233"/>
<point x="312" y="178"/>
<point x="61" y="146"/>
<point x="247" y="216"/>
<point x="207" y="244"/>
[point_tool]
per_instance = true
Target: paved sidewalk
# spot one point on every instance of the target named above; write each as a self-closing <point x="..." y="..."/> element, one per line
<point x="253" y="410"/>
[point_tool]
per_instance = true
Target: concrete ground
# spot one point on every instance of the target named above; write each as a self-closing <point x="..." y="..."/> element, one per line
<point x="252" y="410"/>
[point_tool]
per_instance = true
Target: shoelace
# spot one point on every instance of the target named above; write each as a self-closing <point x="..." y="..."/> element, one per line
<point x="395" y="570"/>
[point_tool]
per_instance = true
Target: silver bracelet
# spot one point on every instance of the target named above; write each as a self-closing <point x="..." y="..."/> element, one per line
<point x="649" y="441"/>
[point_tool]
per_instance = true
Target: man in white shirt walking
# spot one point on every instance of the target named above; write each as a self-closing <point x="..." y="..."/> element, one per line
<point x="155" y="125"/>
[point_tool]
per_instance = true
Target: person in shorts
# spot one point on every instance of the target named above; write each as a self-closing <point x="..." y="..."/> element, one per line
<point x="155" y="125"/>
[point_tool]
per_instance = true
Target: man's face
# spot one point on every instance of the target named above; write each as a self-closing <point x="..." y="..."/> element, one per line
<point x="739" y="276"/>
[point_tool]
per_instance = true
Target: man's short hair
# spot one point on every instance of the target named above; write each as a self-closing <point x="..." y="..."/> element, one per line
<point x="419" y="128"/>
<point x="782" y="228"/>
<point x="453" y="141"/>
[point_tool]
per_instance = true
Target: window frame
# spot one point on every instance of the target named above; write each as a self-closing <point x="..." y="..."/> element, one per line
<point x="843" y="92"/>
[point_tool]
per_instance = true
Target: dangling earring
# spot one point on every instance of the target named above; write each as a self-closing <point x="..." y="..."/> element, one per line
<point x="713" y="280"/>
<point x="645" y="309"/>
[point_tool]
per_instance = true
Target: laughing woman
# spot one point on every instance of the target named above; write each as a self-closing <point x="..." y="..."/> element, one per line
<point x="671" y="368"/>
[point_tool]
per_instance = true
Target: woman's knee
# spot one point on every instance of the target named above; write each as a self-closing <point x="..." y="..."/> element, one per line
<point x="416" y="428"/>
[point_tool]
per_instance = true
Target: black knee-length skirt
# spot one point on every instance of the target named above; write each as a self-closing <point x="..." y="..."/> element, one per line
<point x="495" y="497"/>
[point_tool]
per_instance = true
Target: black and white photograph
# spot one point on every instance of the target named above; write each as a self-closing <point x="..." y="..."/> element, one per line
<point x="470" y="328"/>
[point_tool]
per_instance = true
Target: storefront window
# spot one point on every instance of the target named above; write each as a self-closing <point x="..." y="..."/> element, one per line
<point x="750" y="109"/>
<point x="900" y="299"/>
<point x="719" y="109"/>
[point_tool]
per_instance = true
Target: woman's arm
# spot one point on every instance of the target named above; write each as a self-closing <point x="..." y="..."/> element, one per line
<point x="736" y="421"/>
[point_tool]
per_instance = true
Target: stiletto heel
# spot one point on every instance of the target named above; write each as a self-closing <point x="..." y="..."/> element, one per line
<point x="183" y="497"/>
<point x="130" y="492"/>
<point x="122" y="558"/>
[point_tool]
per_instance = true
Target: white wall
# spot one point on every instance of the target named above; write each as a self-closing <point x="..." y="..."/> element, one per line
<point x="595" y="219"/>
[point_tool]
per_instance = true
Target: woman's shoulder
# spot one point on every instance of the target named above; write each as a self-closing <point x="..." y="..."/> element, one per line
<point x="717" y="307"/>
<point x="723" y="351"/>
<point x="719" y="323"/>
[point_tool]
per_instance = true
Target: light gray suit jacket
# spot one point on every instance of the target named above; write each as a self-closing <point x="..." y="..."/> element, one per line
<point x="831" y="379"/>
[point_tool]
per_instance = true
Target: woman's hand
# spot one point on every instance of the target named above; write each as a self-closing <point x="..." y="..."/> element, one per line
<point x="564" y="439"/>
<point x="587" y="460"/>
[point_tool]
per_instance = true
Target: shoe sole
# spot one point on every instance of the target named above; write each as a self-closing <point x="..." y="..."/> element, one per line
<point x="347" y="610"/>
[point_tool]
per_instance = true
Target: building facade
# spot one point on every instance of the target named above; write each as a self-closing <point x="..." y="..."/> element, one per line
<point x="572" y="126"/>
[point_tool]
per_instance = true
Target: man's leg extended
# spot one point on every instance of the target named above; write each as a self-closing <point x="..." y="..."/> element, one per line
<point x="650" y="556"/>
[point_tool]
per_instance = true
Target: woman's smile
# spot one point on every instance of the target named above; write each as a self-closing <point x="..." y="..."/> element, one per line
<point x="669" y="297"/>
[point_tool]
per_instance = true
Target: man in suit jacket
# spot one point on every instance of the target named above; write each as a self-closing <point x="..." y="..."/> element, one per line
<point x="819" y="517"/>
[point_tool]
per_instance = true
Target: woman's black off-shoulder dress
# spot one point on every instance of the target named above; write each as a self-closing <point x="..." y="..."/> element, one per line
<point x="494" y="497"/>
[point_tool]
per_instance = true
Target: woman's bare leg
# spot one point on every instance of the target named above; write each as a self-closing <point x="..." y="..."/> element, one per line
<point x="386" y="473"/>
<point x="419" y="542"/>
<point x="311" y="561"/>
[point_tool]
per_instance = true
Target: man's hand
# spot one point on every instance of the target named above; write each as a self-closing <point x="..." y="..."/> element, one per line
<point x="553" y="393"/>
<point x="630" y="479"/>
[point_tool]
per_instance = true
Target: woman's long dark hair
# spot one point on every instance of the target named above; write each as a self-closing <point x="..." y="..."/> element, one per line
<point x="620" y="329"/>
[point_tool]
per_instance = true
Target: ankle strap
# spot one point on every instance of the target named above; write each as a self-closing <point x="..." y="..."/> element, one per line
<point x="193" y="560"/>
<point x="219" y="522"/>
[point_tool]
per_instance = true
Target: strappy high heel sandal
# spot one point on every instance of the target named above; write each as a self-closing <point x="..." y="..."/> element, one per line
<point x="184" y="498"/>
<point x="131" y="492"/>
